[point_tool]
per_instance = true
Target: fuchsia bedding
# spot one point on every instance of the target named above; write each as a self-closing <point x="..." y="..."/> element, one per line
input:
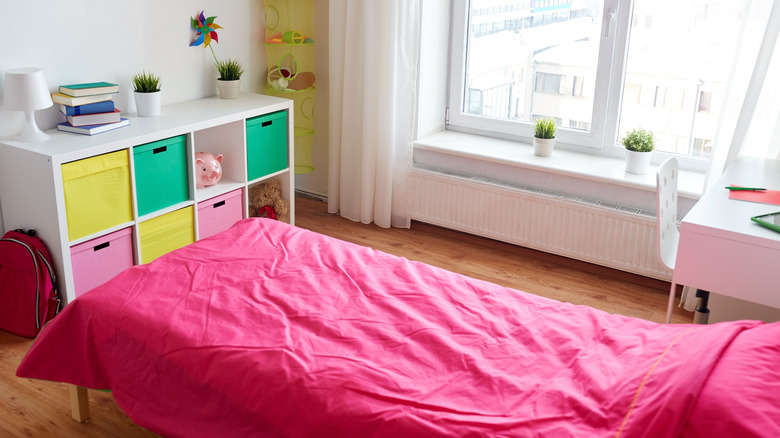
<point x="271" y="330"/>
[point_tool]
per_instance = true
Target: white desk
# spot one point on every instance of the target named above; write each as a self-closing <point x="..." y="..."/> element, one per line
<point x="721" y="250"/>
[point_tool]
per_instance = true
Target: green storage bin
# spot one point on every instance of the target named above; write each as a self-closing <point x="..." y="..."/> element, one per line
<point x="266" y="144"/>
<point x="160" y="174"/>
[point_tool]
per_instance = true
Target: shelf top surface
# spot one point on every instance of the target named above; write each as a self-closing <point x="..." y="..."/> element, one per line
<point x="175" y="119"/>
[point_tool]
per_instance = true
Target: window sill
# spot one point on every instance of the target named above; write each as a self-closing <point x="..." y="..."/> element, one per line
<point x="583" y="174"/>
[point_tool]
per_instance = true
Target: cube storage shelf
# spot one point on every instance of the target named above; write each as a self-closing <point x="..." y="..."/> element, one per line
<point x="105" y="202"/>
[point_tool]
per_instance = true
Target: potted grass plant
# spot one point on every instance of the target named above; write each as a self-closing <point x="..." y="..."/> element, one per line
<point x="544" y="136"/>
<point x="639" y="143"/>
<point x="229" y="80"/>
<point x="229" y="70"/>
<point x="146" y="90"/>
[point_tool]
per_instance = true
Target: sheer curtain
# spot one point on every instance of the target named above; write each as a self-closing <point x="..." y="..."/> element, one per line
<point x="750" y="119"/>
<point x="373" y="62"/>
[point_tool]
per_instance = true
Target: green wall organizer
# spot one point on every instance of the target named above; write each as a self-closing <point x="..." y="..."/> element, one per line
<point x="289" y="46"/>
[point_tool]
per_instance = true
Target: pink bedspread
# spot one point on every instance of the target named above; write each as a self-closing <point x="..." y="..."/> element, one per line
<point x="271" y="330"/>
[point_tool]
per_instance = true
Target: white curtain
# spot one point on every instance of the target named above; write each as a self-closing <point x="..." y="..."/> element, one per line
<point x="373" y="62"/>
<point x="750" y="118"/>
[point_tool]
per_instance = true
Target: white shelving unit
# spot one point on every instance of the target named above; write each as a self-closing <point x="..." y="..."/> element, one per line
<point x="32" y="192"/>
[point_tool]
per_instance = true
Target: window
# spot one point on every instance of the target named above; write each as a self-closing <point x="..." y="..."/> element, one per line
<point x="494" y="101"/>
<point x="705" y="100"/>
<point x="548" y="83"/>
<point x="601" y="67"/>
<point x="579" y="125"/>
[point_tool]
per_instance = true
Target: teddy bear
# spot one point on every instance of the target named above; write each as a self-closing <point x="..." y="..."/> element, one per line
<point x="265" y="200"/>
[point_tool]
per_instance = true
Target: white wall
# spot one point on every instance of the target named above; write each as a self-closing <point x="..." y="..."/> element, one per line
<point x="110" y="40"/>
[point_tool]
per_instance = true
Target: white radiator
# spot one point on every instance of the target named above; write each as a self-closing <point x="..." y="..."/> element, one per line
<point x="610" y="235"/>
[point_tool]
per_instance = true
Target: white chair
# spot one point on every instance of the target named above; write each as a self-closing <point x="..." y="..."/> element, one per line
<point x="668" y="236"/>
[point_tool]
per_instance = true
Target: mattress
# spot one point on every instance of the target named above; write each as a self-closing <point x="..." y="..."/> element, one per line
<point x="271" y="330"/>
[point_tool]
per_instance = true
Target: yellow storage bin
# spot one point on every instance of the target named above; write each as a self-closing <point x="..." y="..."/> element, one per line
<point x="97" y="193"/>
<point x="165" y="233"/>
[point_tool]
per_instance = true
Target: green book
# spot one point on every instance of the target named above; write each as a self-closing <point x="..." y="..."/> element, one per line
<point x="89" y="89"/>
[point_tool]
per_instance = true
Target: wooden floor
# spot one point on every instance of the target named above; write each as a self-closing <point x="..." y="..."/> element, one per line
<point x="31" y="408"/>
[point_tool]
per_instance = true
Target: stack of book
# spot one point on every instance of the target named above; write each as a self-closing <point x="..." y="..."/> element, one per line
<point x="89" y="108"/>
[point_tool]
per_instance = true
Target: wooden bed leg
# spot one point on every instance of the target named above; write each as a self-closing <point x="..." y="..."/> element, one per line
<point x="79" y="403"/>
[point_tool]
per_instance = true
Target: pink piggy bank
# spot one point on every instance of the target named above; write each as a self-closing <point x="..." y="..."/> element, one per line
<point x="208" y="169"/>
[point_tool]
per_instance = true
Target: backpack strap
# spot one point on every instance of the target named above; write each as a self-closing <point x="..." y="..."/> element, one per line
<point x="53" y="277"/>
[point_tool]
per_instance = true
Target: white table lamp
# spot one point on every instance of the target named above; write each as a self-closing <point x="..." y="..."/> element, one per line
<point x="26" y="90"/>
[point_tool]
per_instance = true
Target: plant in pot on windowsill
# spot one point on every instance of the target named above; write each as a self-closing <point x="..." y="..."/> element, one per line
<point x="544" y="137"/>
<point x="639" y="144"/>
<point x="229" y="80"/>
<point x="146" y="90"/>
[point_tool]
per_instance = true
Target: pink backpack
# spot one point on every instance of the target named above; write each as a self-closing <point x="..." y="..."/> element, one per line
<point x="28" y="292"/>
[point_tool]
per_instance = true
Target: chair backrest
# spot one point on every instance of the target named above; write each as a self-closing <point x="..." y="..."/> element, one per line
<point x="668" y="235"/>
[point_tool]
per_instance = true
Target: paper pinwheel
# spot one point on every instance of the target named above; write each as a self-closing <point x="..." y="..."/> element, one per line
<point x="205" y="28"/>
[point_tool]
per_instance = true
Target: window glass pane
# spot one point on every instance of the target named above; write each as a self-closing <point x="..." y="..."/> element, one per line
<point x="679" y="59"/>
<point x="533" y="58"/>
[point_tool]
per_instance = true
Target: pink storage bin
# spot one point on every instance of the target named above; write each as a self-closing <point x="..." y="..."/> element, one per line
<point x="219" y="213"/>
<point x="101" y="259"/>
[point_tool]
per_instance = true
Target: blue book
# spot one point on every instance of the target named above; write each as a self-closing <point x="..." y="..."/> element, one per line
<point x="107" y="106"/>
<point x="92" y="129"/>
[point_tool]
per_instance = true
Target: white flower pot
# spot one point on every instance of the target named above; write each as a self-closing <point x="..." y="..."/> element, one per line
<point x="637" y="162"/>
<point x="147" y="104"/>
<point x="543" y="147"/>
<point x="228" y="89"/>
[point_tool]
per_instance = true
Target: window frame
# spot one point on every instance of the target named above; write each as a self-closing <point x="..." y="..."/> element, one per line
<point x="602" y="139"/>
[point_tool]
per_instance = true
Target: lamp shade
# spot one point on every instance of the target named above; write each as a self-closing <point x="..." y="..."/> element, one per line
<point x="26" y="89"/>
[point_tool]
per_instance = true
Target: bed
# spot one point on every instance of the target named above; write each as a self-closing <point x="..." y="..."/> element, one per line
<point x="271" y="330"/>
